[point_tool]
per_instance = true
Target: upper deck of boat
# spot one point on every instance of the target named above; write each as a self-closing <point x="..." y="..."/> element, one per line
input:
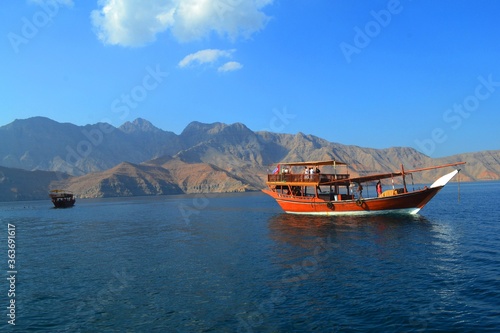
<point x="284" y="173"/>
<point x="305" y="179"/>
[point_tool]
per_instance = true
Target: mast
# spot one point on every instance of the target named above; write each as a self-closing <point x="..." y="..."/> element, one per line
<point x="436" y="167"/>
<point x="404" y="178"/>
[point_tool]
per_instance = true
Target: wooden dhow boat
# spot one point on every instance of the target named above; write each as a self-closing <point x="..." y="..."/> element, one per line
<point x="311" y="191"/>
<point x="62" y="199"/>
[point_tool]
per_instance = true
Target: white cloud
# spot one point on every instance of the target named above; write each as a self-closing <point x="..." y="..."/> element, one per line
<point x="131" y="22"/>
<point x="230" y="66"/>
<point x="136" y="22"/>
<point x="204" y="57"/>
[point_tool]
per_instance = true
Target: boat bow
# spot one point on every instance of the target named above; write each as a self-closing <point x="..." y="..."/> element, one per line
<point x="442" y="181"/>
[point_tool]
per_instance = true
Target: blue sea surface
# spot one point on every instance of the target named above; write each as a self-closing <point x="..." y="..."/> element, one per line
<point x="237" y="263"/>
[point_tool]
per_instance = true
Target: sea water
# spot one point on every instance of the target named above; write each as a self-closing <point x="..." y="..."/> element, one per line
<point x="237" y="263"/>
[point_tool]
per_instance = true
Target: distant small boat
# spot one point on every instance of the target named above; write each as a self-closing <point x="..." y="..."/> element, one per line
<point x="313" y="192"/>
<point x="62" y="199"/>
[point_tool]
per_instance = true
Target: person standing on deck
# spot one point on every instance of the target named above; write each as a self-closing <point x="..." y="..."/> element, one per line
<point x="360" y="190"/>
<point x="379" y="189"/>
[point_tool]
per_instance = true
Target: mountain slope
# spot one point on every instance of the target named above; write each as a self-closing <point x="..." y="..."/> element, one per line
<point x="203" y="158"/>
<point x="154" y="141"/>
<point x="18" y="184"/>
<point x="203" y="177"/>
<point x="39" y="143"/>
<point x="125" y="179"/>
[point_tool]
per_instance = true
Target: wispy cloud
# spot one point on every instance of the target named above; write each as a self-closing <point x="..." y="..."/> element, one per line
<point x="135" y="22"/>
<point x="205" y="57"/>
<point x="230" y="66"/>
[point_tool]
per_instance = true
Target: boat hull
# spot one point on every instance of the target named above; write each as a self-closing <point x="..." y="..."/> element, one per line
<point x="62" y="199"/>
<point x="64" y="203"/>
<point x="406" y="203"/>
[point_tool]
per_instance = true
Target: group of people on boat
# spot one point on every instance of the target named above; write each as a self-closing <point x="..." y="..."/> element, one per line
<point x="307" y="170"/>
<point x="311" y="170"/>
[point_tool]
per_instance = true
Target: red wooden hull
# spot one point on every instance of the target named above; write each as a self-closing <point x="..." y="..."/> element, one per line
<point x="410" y="202"/>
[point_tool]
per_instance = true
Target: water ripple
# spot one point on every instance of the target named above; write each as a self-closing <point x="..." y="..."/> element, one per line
<point x="236" y="263"/>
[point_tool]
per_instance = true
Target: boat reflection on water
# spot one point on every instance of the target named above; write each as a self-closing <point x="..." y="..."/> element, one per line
<point x="304" y="230"/>
<point x="348" y="255"/>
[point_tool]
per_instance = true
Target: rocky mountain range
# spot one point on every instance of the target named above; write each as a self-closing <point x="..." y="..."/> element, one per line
<point x="138" y="158"/>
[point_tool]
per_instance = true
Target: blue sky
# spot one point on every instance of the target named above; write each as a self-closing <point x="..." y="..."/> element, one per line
<point x="379" y="74"/>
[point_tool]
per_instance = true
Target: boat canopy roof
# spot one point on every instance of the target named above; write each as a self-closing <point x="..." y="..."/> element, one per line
<point x="368" y="178"/>
<point x="363" y="179"/>
<point x="330" y="162"/>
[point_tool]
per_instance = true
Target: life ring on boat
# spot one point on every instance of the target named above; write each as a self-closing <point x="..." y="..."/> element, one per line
<point x="359" y="202"/>
<point x="329" y="205"/>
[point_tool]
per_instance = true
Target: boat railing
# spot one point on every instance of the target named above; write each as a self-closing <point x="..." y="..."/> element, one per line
<point x="303" y="178"/>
